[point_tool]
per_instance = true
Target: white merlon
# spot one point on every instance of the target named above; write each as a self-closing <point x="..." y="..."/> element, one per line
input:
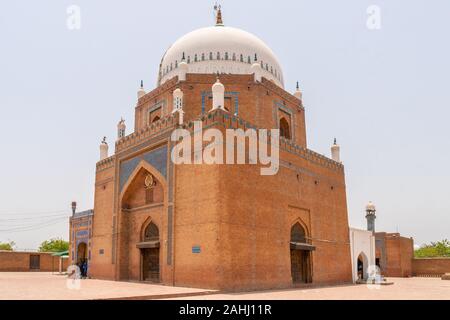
<point x="183" y="70"/>
<point x="298" y="93"/>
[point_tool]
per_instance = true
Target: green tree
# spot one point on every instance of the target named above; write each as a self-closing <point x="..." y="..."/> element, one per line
<point x="54" y="245"/>
<point x="434" y="250"/>
<point x="7" y="246"/>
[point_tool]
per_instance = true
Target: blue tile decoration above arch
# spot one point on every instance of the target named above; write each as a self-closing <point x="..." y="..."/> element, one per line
<point x="157" y="158"/>
<point x="228" y="94"/>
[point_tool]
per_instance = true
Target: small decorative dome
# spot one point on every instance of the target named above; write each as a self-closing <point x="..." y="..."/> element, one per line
<point x="370" y="207"/>
<point x="220" y="49"/>
<point x="218" y="86"/>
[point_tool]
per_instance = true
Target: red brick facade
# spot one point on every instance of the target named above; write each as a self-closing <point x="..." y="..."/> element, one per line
<point x="395" y="254"/>
<point x="220" y="226"/>
<point x="11" y="261"/>
<point x="431" y="267"/>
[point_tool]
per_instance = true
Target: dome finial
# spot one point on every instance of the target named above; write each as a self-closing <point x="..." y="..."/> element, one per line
<point x="142" y="84"/>
<point x="219" y="20"/>
<point x="298" y="85"/>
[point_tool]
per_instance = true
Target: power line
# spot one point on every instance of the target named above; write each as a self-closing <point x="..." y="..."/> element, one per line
<point x="34" y="227"/>
<point x="6" y="213"/>
<point x="34" y="218"/>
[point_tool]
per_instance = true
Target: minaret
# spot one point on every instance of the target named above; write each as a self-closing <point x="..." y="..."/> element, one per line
<point x="336" y="152"/>
<point x="371" y="216"/>
<point x="121" y="129"/>
<point x="298" y="93"/>
<point x="141" y="92"/>
<point x="103" y="149"/>
<point x="218" y="91"/>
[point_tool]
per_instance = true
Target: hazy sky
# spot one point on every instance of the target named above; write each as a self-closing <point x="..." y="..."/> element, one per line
<point x="384" y="94"/>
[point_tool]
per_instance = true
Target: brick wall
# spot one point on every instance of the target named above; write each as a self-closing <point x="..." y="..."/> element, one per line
<point x="20" y="262"/>
<point x="435" y="266"/>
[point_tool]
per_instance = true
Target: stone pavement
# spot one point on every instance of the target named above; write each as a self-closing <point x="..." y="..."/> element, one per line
<point x="402" y="289"/>
<point x="46" y="286"/>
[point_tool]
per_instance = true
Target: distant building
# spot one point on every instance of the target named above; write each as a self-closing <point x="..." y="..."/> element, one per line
<point x="80" y="243"/>
<point x="362" y="246"/>
<point x="394" y="254"/>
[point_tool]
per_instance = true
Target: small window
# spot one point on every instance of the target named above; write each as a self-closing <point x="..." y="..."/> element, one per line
<point x="211" y="56"/>
<point x="203" y="57"/>
<point x="234" y="56"/>
<point x="242" y="58"/>
<point x="189" y="59"/>
<point x="249" y="60"/>
<point x="195" y="58"/>
<point x="226" y="55"/>
<point x="285" y="131"/>
<point x="176" y="63"/>
<point x="218" y="55"/>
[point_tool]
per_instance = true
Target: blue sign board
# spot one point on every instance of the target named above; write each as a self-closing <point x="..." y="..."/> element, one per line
<point x="196" y="249"/>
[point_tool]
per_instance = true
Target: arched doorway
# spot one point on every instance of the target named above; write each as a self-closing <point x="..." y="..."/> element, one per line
<point x="150" y="254"/>
<point x="81" y="252"/>
<point x="300" y="255"/>
<point x="362" y="265"/>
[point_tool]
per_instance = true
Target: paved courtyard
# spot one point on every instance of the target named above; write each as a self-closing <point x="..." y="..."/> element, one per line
<point x="46" y="286"/>
<point x="402" y="289"/>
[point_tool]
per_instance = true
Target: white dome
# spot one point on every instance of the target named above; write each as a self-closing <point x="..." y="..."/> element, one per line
<point x="232" y="51"/>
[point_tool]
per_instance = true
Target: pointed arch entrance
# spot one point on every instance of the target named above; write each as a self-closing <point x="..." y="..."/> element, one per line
<point x="82" y="253"/>
<point x="150" y="266"/>
<point x="142" y="201"/>
<point x="362" y="265"/>
<point x="300" y="255"/>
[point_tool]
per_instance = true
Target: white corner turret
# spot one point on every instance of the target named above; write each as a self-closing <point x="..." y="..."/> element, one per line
<point x="298" y="93"/>
<point x="103" y="149"/>
<point x="141" y="92"/>
<point x="336" y="152"/>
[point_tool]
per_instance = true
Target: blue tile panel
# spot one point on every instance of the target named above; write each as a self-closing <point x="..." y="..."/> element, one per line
<point x="156" y="158"/>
